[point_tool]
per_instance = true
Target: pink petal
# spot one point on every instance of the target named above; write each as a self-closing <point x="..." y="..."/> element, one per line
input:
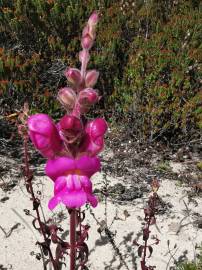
<point x="54" y="202"/>
<point x="44" y="135"/>
<point x="92" y="199"/>
<point x="60" y="166"/>
<point x="60" y="184"/>
<point x="86" y="183"/>
<point x="74" y="199"/>
<point x="88" y="165"/>
<point x="71" y="128"/>
<point x="73" y="182"/>
<point x="94" y="140"/>
<point x="96" y="128"/>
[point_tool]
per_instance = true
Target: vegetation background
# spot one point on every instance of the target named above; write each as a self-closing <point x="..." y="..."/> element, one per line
<point x="148" y="52"/>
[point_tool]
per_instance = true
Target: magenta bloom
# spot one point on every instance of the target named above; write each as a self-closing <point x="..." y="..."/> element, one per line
<point x="44" y="135"/>
<point x="70" y="128"/>
<point x="72" y="145"/>
<point x="93" y="142"/>
<point x="72" y="181"/>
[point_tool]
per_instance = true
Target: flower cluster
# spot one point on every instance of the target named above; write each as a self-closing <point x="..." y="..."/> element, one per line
<point x="72" y="144"/>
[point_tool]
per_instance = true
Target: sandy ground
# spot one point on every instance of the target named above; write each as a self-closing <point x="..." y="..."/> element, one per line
<point x="176" y="227"/>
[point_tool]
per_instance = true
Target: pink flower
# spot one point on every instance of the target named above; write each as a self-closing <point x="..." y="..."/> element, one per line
<point x="72" y="180"/>
<point x="93" y="142"/>
<point x="44" y="135"/>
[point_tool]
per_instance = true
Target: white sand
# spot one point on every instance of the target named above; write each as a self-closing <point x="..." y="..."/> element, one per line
<point x="15" y="250"/>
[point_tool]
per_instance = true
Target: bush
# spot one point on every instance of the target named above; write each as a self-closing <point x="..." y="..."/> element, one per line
<point x="162" y="78"/>
<point x="149" y="56"/>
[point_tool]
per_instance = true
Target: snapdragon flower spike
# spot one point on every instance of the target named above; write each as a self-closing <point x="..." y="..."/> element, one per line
<point x="67" y="98"/>
<point x="86" y="99"/>
<point x="44" y="135"/>
<point x="72" y="180"/>
<point x="71" y="146"/>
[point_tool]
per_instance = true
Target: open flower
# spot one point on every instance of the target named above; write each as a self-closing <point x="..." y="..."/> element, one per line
<point x="44" y="135"/>
<point x="72" y="185"/>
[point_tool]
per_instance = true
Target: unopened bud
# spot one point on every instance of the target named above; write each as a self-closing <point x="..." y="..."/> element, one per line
<point x="87" y="42"/>
<point x="67" y="98"/>
<point x="94" y="18"/>
<point x="86" y="99"/>
<point x="91" y="78"/>
<point x="71" y="128"/>
<point x="85" y="31"/>
<point x="92" y="22"/>
<point x="74" y="76"/>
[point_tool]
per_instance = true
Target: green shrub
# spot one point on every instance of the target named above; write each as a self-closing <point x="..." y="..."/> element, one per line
<point x="162" y="78"/>
<point x="196" y="265"/>
<point x="146" y="53"/>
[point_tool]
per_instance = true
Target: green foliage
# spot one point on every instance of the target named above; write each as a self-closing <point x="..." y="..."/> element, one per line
<point x="148" y="54"/>
<point x="196" y="265"/>
<point x="162" y="78"/>
<point x="163" y="166"/>
<point x="199" y="165"/>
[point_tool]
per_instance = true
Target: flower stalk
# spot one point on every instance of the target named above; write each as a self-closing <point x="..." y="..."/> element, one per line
<point x="73" y="214"/>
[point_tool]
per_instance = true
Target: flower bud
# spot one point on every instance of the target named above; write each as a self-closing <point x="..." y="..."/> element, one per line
<point x="86" y="99"/>
<point x="74" y="76"/>
<point x="85" y="31"/>
<point x="67" y="98"/>
<point x="71" y="128"/>
<point x="86" y="42"/>
<point x="93" y="141"/>
<point x="91" y="78"/>
<point x="94" y="18"/>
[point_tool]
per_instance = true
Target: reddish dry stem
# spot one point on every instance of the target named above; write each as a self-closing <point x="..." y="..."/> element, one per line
<point x="28" y="176"/>
<point x="73" y="239"/>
